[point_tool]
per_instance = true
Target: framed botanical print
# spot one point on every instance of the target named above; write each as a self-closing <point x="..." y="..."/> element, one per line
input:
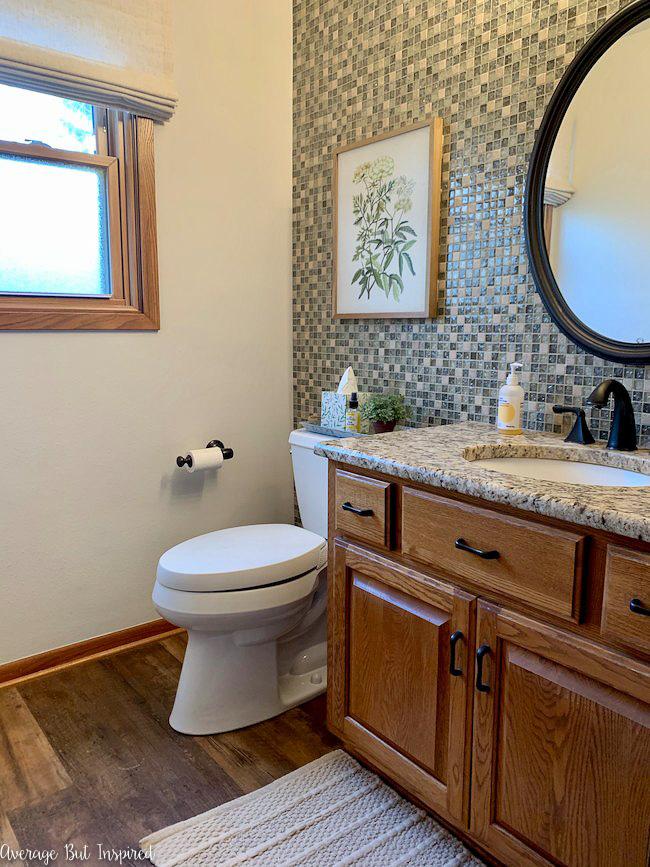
<point x="386" y="194"/>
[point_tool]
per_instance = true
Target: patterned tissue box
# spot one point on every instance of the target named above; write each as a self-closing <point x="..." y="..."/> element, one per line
<point x="334" y="407"/>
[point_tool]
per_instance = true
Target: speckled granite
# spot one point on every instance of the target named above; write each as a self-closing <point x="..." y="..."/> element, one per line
<point x="442" y="457"/>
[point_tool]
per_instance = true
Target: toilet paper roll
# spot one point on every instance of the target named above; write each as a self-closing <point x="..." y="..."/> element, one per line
<point x="205" y="459"/>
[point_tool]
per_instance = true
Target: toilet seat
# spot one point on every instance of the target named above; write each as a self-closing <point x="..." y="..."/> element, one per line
<point x="206" y="605"/>
<point x="242" y="558"/>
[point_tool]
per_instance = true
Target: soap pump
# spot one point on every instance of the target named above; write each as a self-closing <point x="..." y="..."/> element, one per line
<point x="511" y="399"/>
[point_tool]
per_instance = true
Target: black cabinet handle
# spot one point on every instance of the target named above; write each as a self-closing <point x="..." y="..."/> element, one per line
<point x="637" y="607"/>
<point x="363" y="513"/>
<point x="481" y="653"/>
<point x="454" y="638"/>
<point x="462" y="545"/>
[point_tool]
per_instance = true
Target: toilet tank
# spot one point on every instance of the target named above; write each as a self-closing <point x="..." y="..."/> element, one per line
<point x="310" y="479"/>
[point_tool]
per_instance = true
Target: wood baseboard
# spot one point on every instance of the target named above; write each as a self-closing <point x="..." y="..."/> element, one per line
<point x="93" y="648"/>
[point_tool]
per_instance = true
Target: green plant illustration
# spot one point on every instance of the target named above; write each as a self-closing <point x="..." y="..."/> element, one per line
<point x="384" y="235"/>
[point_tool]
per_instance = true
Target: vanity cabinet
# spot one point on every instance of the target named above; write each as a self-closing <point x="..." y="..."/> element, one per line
<point x="399" y="674"/>
<point x="560" y="747"/>
<point x="509" y="694"/>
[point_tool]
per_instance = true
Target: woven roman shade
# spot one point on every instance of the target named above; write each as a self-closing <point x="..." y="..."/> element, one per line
<point x="114" y="53"/>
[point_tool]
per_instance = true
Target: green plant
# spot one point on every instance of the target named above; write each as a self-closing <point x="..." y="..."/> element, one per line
<point x="385" y="408"/>
<point x="384" y="235"/>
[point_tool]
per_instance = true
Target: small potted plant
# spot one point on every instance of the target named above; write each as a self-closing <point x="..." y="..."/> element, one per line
<point x="384" y="411"/>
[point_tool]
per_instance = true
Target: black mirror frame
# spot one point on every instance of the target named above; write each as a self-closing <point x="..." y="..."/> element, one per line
<point x="558" y="309"/>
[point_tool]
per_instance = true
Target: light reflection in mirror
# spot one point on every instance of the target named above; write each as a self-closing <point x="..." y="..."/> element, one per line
<point x="597" y="194"/>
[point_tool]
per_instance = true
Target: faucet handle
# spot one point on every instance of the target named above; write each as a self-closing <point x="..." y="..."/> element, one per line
<point x="560" y="408"/>
<point x="580" y="432"/>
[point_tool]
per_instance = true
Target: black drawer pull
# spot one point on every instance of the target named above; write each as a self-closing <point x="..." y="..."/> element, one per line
<point x="483" y="650"/>
<point x="462" y="545"/>
<point x="637" y="607"/>
<point x="362" y="513"/>
<point x="454" y="638"/>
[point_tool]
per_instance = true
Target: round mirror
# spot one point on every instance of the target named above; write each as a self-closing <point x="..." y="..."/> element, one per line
<point x="588" y="193"/>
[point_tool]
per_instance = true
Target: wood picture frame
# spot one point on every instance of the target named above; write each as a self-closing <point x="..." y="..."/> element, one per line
<point x="428" y="306"/>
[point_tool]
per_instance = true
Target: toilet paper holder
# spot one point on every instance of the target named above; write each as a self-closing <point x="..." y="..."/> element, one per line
<point x="213" y="444"/>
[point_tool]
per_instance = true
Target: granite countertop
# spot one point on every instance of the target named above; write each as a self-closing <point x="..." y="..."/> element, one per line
<point x="442" y="457"/>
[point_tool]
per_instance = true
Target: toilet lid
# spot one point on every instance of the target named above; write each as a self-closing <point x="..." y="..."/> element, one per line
<point x="241" y="558"/>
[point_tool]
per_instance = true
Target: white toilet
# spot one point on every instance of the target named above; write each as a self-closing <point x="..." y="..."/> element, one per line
<point x="253" y="600"/>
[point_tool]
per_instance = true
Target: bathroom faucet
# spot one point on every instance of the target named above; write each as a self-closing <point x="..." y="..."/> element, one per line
<point x="580" y="432"/>
<point x="622" y="435"/>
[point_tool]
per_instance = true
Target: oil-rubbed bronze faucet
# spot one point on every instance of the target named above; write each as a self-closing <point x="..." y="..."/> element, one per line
<point x="580" y="432"/>
<point x="622" y="435"/>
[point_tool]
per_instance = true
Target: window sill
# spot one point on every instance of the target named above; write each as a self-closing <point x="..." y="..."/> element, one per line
<point x="91" y="315"/>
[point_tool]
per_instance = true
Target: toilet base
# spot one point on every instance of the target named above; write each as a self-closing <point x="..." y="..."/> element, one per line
<point x="298" y="688"/>
<point x="216" y="666"/>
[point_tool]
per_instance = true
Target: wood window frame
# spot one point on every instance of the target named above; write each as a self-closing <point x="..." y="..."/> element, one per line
<point x="125" y="151"/>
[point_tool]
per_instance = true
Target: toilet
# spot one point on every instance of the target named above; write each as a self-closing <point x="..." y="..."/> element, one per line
<point x="253" y="600"/>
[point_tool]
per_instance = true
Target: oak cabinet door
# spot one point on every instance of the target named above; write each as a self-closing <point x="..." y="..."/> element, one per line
<point x="561" y="747"/>
<point x="396" y="636"/>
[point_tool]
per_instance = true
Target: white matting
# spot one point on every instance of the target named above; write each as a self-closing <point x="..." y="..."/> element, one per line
<point x="330" y="812"/>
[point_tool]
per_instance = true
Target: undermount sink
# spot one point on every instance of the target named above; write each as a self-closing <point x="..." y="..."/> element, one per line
<point x="567" y="471"/>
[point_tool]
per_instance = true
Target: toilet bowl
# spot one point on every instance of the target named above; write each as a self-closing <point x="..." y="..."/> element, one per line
<point x="253" y="601"/>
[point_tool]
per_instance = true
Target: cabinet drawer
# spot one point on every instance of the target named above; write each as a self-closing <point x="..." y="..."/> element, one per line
<point x="533" y="563"/>
<point x="627" y="580"/>
<point x="362" y="508"/>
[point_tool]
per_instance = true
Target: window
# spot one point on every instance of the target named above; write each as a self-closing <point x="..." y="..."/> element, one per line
<point x="77" y="218"/>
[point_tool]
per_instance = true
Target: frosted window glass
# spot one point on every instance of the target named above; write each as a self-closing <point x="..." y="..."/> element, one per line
<point x="26" y="115"/>
<point x="53" y="228"/>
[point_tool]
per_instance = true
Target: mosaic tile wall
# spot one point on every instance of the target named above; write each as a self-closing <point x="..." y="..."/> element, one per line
<point x="488" y="68"/>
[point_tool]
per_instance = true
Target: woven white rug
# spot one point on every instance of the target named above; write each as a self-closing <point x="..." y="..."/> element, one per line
<point x="330" y="812"/>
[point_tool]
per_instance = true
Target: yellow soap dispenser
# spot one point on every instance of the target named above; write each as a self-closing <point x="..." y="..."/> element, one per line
<point x="511" y="400"/>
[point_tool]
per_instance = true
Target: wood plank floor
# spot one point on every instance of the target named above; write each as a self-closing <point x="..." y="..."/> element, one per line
<point x="87" y="755"/>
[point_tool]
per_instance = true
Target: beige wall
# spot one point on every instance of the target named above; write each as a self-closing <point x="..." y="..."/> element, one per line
<point x="91" y="423"/>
